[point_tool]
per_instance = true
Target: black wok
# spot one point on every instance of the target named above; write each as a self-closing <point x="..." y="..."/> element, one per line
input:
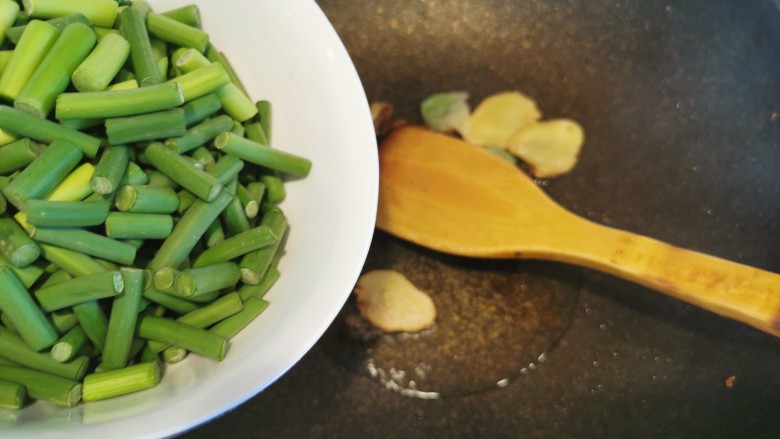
<point x="680" y="103"/>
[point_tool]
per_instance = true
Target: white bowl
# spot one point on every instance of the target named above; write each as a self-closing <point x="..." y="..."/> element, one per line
<point x="287" y="52"/>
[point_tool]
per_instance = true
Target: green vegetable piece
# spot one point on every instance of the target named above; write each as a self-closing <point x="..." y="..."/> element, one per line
<point x="254" y="132"/>
<point x="189" y="15"/>
<point x="134" y="175"/>
<point x="98" y="12"/>
<point x="43" y="386"/>
<point x="174" y="354"/>
<point x="215" y="234"/>
<point x="274" y="187"/>
<point x="234" y="100"/>
<point x="264" y="116"/>
<point x="179" y="334"/>
<point x="206" y="316"/>
<point x="216" y="56"/>
<point x="34" y="44"/>
<point x="9" y="10"/>
<point x="202" y="81"/>
<point x="175" y="304"/>
<point x="42" y="213"/>
<point x="75" y="186"/>
<point x="183" y="172"/>
<point x="151" y="126"/>
<point x="131" y="379"/>
<point x="12" y="395"/>
<point x="45" y="131"/>
<point x="256" y="190"/>
<point x="15" y="349"/>
<point x="28" y="319"/>
<point x="446" y="111"/>
<point x="188" y="60"/>
<point x="28" y="275"/>
<point x="63" y="320"/>
<point x="258" y="291"/>
<point x="227" y="169"/>
<point x="7" y="137"/>
<point x="175" y="32"/>
<point x="103" y="32"/>
<point x="199" y="135"/>
<point x="255" y="264"/>
<point x="110" y="170"/>
<point x="145" y="64"/>
<point x="72" y="262"/>
<point x="15" y="246"/>
<point x="121" y="324"/>
<point x="159" y="180"/>
<point x="120" y="103"/>
<point x="262" y="155"/>
<point x="159" y="48"/>
<point x="188" y="231"/>
<point x="204" y="157"/>
<point x="186" y="199"/>
<point x="69" y="344"/>
<point x="207" y="279"/>
<point x="234" y="218"/>
<point x="232" y="325"/>
<point x="94" y="322"/>
<point x="43" y="174"/>
<point x="236" y="103"/>
<point x="52" y="76"/>
<point x="203" y="299"/>
<point x="250" y="205"/>
<point x="503" y="153"/>
<point x="199" y="109"/>
<point x="80" y="290"/>
<point x="5" y="58"/>
<point x="15" y="33"/>
<point x="18" y="154"/>
<point x="164" y="278"/>
<point x="102" y="65"/>
<point x="87" y="242"/>
<point x="121" y="225"/>
<point x="58" y="276"/>
<point x="147" y="199"/>
<point x="238" y="129"/>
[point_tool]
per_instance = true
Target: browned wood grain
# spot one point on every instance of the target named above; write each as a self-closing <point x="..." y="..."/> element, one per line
<point x="445" y="194"/>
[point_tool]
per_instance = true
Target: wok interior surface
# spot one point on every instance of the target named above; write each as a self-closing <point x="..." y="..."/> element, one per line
<point x="680" y="103"/>
<point x="496" y="321"/>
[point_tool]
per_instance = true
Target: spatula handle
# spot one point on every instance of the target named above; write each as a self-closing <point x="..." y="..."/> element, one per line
<point x="747" y="294"/>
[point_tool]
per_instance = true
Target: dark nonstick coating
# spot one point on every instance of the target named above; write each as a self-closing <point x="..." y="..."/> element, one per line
<point x="680" y="102"/>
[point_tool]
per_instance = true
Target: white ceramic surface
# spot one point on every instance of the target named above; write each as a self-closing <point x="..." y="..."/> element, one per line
<point x="287" y="52"/>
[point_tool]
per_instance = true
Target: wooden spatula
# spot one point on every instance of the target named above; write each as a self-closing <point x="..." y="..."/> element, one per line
<point x="445" y="194"/>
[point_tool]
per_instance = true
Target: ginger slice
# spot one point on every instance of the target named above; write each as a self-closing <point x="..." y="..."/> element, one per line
<point x="389" y="301"/>
<point x="498" y="116"/>
<point x="550" y="148"/>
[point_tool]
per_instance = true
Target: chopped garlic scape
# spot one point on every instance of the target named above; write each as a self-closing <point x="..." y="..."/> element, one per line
<point x="389" y="301"/>
<point x="448" y="111"/>
<point x="550" y="148"/>
<point x="501" y="152"/>
<point x="498" y="116"/>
